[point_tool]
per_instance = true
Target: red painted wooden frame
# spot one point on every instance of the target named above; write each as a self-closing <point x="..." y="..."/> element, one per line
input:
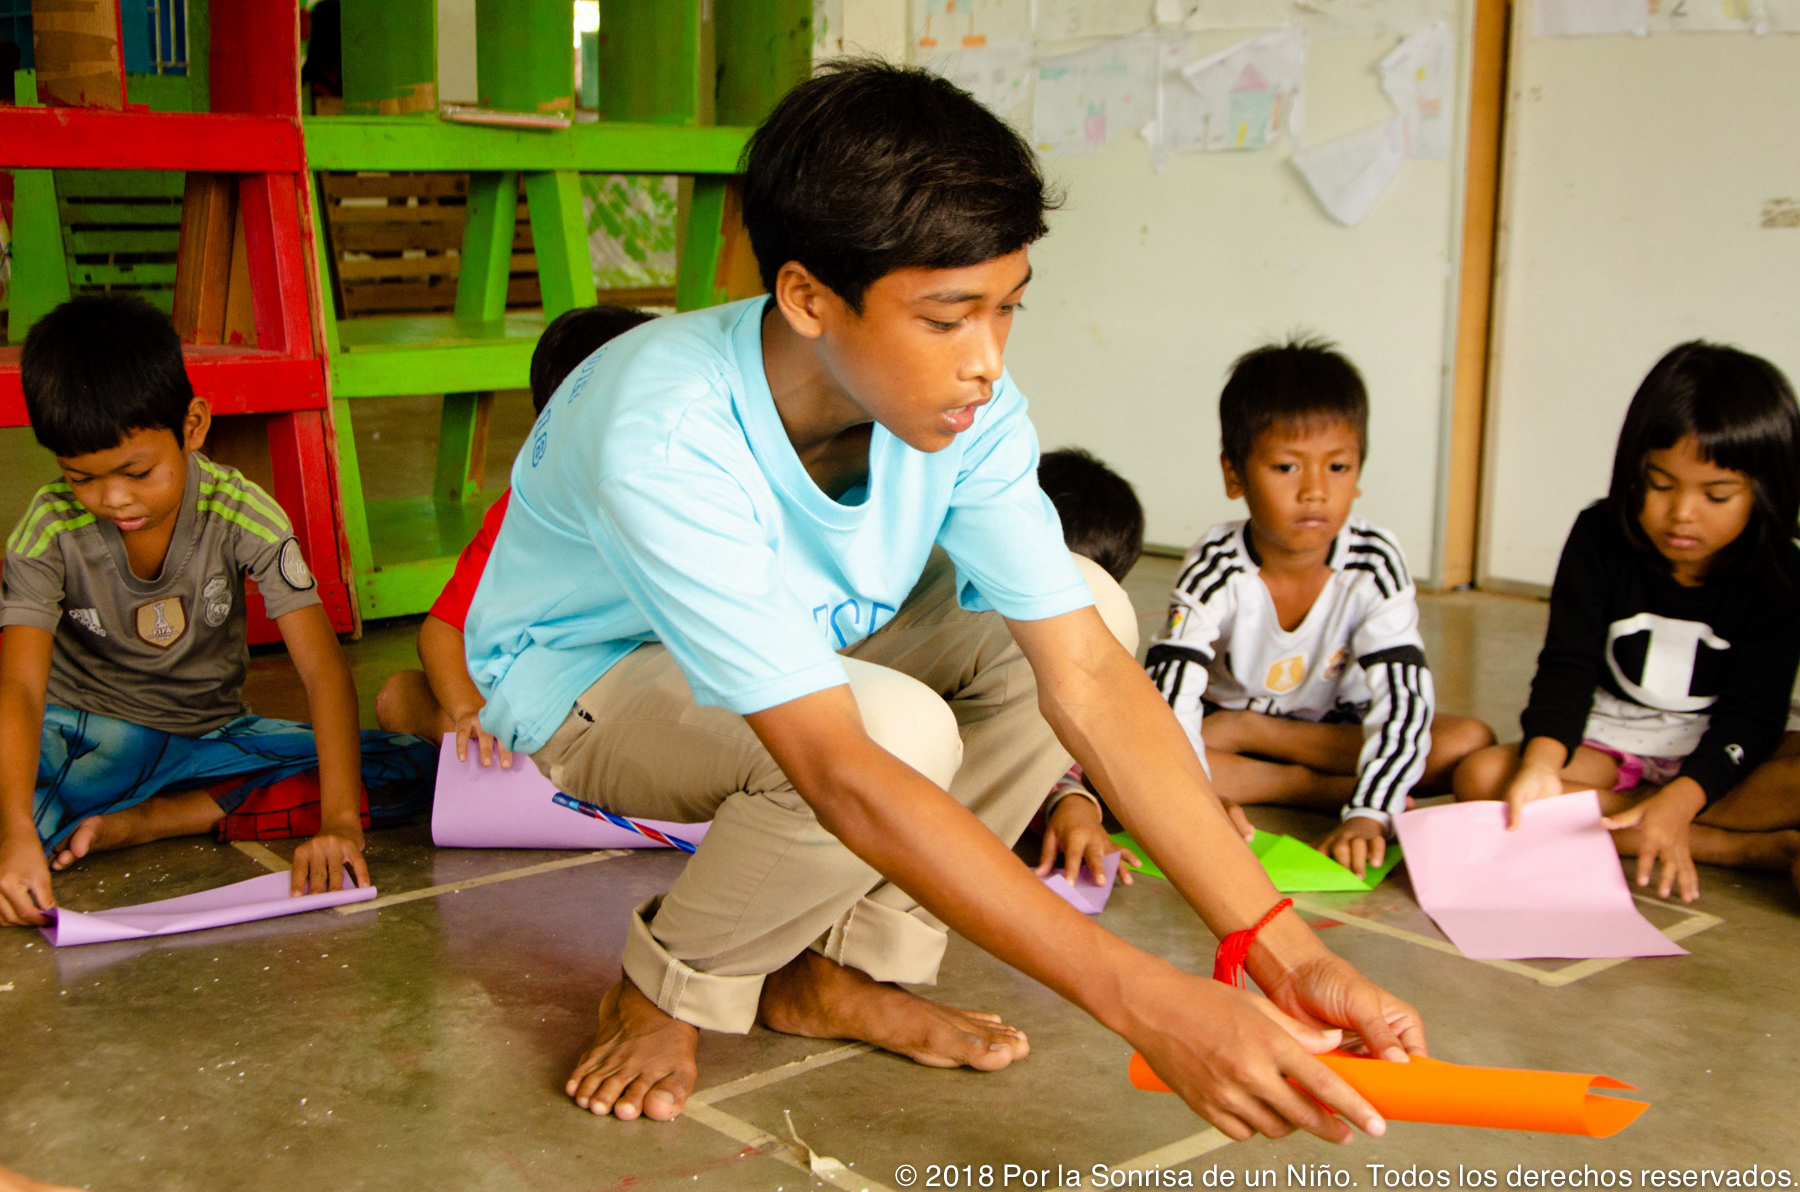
<point x="253" y="131"/>
<point x="232" y="380"/>
<point x="90" y="139"/>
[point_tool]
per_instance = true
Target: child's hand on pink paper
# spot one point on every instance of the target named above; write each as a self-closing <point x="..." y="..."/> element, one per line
<point x="468" y="724"/>
<point x="24" y="881"/>
<point x="1531" y="783"/>
<point x="1358" y="844"/>
<point x="1075" y="832"/>
<point x="1662" y="823"/>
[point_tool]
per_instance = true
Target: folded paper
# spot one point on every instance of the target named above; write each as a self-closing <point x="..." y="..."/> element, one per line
<point x="1086" y="895"/>
<point x="1427" y="1090"/>
<point x="264" y="897"/>
<point x="1293" y="866"/>
<point x="1298" y="868"/>
<point x="479" y="806"/>
<point x="1552" y="887"/>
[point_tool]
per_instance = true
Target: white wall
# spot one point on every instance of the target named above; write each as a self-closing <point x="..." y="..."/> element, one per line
<point x="1638" y="172"/>
<point x="1150" y="284"/>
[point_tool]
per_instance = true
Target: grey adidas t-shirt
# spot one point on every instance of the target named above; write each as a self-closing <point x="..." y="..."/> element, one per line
<point x="167" y="652"/>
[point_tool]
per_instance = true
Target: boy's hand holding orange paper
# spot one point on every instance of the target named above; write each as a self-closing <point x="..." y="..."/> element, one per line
<point x="1428" y="1090"/>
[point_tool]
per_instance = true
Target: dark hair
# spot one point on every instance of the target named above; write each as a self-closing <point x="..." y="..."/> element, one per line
<point x="1101" y="517"/>
<point x="1305" y="380"/>
<point x="572" y="337"/>
<point x="100" y="367"/>
<point x="867" y="167"/>
<point x="1740" y="411"/>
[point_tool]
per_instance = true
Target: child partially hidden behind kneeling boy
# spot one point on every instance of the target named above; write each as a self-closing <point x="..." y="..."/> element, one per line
<point x="1292" y="654"/>
<point x="121" y="710"/>
<point x="442" y="699"/>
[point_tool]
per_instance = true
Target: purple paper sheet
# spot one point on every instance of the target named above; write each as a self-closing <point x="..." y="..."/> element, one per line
<point x="480" y="806"/>
<point x="1552" y="887"/>
<point x="263" y="897"/>
<point x="1084" y="895"/>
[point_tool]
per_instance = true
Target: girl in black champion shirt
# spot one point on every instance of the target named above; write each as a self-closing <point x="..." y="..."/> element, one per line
<point x="1674" y="632"/>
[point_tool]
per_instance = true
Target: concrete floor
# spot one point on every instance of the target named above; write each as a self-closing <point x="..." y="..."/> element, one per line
<point x="423" y="1039"/>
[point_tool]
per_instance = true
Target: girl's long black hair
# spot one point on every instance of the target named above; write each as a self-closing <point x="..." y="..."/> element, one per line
<point x="1741" y="412"/>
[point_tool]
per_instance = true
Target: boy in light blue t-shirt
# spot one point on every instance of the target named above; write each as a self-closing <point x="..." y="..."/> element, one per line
<point x="785" y="565"/>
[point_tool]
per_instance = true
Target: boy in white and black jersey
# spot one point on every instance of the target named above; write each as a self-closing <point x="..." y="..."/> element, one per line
<point x="1292" y="653"/>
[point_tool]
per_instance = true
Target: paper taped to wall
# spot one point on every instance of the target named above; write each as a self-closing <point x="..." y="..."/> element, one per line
<point x="1059" y="20"/>
<point x="998" y="73"/>
<point x="1707" y="16"/>
<point x="1589" y="18"/>
<point x="1083" y="100"/>
<point x="1779" y="16"/>
<point x="1418" y="77"/>
<point x="828" y="29"/>
<point x="1348" y="175"/>
<point x="939" y="26"/>
<point x="1239" y="98"/>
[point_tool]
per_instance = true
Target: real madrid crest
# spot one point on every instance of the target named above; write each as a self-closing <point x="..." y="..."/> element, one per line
<point x="162" y="622"/>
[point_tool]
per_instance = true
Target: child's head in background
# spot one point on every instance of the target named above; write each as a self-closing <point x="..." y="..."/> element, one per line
<point x="1294" y="431"/>
<point x="572" y="337"/>
<point x="108" y="394"/>
<point x="1706" y="466"/>
<point x="1101" y="517"/>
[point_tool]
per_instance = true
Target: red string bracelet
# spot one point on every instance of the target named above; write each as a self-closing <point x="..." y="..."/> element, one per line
<point x="1228" y="961"/>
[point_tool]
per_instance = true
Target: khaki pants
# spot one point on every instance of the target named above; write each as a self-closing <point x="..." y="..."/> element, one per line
<point x="944" y="690"/>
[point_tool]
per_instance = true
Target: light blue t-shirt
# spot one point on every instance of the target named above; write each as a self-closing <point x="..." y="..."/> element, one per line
<point x="659" y="499"/>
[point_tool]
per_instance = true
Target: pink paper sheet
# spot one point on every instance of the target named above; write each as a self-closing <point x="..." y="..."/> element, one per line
<point x="1553" y="887"/>
<point x="263" y="897"/>
<point x="1084" y="895"/>
<point x="480" y="806"/>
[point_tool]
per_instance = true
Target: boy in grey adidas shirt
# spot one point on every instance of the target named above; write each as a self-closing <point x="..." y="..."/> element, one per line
<point x="121" y="679"/>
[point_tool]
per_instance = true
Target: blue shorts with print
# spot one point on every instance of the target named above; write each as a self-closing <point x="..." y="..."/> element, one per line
<point x="89" y="764"/>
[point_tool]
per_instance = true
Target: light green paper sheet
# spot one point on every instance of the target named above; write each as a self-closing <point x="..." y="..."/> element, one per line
<point x="1294" y="867"/>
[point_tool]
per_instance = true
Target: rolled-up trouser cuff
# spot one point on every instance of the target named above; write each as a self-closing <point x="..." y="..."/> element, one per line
<point x="700" y="999"/>
<point x="885" y="943"/>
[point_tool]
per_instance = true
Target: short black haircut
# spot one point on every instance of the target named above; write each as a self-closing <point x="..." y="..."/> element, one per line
<point x="1101" y="516"/>
<point x="1304" y="380"/>
<point x="1740" y="411"/>
<point x="572" y="337"/>
<point x="99" y="368"/>
<point x="868" y="167"/>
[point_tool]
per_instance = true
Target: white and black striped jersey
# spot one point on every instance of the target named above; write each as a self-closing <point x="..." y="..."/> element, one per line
<point x="1356" y="658"/>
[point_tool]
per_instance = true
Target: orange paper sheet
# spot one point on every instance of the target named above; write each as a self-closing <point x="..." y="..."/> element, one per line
<point x="1427" y="1090"/>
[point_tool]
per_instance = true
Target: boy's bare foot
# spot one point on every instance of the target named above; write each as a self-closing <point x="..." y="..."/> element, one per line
<point x="188" y="813"/>
<point x="641" y="1063"/>
<point x="820" y="999"/>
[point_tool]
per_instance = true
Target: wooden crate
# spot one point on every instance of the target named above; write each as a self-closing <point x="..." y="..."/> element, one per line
<point x="120" y="230"/>
<point x="396" y="242"/>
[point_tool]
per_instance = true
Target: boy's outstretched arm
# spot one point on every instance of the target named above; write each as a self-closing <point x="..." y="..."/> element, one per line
<point x="1106" y="712"/>
<point x="1230" y="1054"/>
<point x="442" y="653"/>
<point x="24" y="873"/>
<point x="320" y="863"/>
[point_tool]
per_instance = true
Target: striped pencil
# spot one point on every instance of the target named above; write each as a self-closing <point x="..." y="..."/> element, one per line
<point x="619" y="821"/>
